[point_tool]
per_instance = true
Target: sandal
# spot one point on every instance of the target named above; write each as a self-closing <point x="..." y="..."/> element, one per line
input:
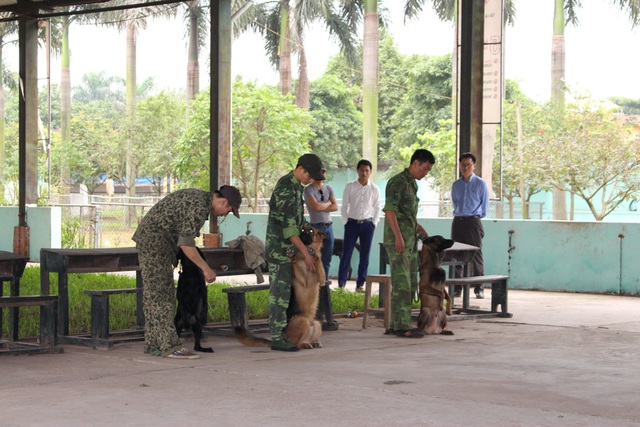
<point x="410" y="333"/>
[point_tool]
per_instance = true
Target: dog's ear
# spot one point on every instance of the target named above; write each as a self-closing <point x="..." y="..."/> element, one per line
<point x="444" y="244"/>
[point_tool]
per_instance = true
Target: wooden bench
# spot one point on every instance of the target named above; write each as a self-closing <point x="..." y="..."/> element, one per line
<point x="101" y="335"/>
<point x="238" y="303"/>
<point x="498" y="293"/>
<point x="48" y="342"/>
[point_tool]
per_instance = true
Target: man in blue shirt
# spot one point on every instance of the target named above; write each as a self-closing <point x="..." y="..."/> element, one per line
<point x="470" y="197"/>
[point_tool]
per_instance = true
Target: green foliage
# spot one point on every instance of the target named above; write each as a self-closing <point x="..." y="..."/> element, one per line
<point x="72" y="235"/>
<point x="337" y="123"/>
<point x="599" y="155"/>
<point x="191" y="165"/>
<point x="161" y="120"/>
<point x="425" y="106"/>
<point x="442" y="144"/>
<point x="522" y="156"/>
<point x="123" y="307"/>
<point x="270" y="133"/>
<point x="628" y="105"/>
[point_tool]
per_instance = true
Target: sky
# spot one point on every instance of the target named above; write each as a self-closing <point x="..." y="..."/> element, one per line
<point x="601" y="53"/>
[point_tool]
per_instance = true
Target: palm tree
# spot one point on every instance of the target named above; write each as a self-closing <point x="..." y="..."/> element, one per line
<point x="370" y="84"/>
<point x="197" y="27"/>
<point x="282" y="24"/>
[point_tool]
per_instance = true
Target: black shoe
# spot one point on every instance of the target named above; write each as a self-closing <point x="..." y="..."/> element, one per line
<point x="457" y="293"/>
<point x="283" y="344"/>
<point x="333" y="326"/>
<point x="479" y="293"/>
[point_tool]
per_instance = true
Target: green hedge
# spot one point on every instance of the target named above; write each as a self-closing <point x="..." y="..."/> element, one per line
<point x="123" y="307"/>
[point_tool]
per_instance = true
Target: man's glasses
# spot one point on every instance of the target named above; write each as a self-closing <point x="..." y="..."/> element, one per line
<point x="321" y="196"/>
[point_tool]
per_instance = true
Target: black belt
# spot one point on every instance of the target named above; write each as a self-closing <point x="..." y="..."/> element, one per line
<point x="469" y="217"/>
<point x="361" y="221"/>
<point x="321" y="224"/>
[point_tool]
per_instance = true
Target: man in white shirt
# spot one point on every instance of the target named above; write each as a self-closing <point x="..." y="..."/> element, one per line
<point x="360" y="214"/>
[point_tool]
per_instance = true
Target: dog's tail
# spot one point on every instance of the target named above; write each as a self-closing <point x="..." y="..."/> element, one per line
<point x="245" y="337"/>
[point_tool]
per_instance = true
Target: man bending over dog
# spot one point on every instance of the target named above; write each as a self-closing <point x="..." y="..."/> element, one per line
<point x="171" y="224"/>
<point x="286" y="217"/>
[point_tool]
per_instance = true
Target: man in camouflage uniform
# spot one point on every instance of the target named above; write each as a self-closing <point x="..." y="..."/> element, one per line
<point x="401" y="231"/>
<point x="286" y="217"/>
<point x="171" y="224"/>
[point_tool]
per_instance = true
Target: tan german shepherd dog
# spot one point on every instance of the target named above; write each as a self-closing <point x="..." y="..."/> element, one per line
<point x="302" y="328"/>
<point x="433" y="317"/>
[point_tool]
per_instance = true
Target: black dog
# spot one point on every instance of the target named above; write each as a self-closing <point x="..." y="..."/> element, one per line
<point x="192" y="300"/>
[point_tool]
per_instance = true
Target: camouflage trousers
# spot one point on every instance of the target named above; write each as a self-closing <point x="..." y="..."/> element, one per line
<point x="280" y="276"/>
<point x="404" y="279"/>
<point x="159" y="299"/>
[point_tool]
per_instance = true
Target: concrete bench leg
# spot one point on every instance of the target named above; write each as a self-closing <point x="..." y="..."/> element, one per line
<point x="49" y="325"/>
<point x="499" y="296"/>
<point x="99" y="316"/>
<point x="238" y="310"/>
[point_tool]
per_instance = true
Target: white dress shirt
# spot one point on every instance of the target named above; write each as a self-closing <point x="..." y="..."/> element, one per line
<point x="361" y="202"/>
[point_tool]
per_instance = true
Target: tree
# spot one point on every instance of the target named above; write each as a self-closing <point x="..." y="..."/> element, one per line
<point x="565" y="11"/>
<point x="8" y="35"/>
<point x="271" y="133"/>
<point x="525" y="123"/>
<point x="337" y="122"/>
<point x="132" y="21"/>
<point x="370" y="84"/>
<point x="160" y="122"/>
<point x="425" y="105"/>
<point x="282" y="25"/>
<point x="442" y="143"/>
<point x="599" y="156"/>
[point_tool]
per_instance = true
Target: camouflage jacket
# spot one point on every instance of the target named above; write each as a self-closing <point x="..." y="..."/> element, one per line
<point x="286" y="217"/>
<point x="401" y="197"/>
<point x="176" y="220"/>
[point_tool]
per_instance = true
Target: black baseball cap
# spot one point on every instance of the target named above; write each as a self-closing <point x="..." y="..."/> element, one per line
<point x="232" y="194"/>
<point x="312" y="164"/>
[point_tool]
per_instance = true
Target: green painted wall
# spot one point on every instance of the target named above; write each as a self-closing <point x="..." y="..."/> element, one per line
<point x="548" y="255"/>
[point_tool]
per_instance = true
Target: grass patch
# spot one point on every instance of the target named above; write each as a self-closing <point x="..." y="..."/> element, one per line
<point x="123" y="307"/>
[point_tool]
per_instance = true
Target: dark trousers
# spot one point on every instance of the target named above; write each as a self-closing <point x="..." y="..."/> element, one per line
<point x="469" y="230"/>
<point x="352" y="232"/>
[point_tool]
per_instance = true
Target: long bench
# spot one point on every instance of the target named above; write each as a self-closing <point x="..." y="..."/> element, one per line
<point x="48" y="342"/>
<point x="499" y="286"/>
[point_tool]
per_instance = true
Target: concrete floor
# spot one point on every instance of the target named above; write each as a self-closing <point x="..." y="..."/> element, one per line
<point x="562" y="360"/>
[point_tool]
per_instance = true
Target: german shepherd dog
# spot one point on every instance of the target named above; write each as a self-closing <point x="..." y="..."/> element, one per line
<point x="433" y="318"/>
<point x="302" y="328"/>
<point x="192" y="300"/>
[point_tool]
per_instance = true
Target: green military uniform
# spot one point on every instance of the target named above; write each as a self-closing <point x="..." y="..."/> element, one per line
<point x="286" y="217"/>
<point x="401" y="197"/>
<point x="174" y="221"/>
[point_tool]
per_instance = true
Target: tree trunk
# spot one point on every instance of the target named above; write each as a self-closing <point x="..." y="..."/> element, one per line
<point x="193" y="64"/>
<point x="131" y="172"/>
<point x="302" y="95"/>
<point x="3" y="156"/>
<point x="370" y="85"/>
<point x="284" y="50"/>
<point x="65" y="103"/>
<point x="557" y="95"/>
